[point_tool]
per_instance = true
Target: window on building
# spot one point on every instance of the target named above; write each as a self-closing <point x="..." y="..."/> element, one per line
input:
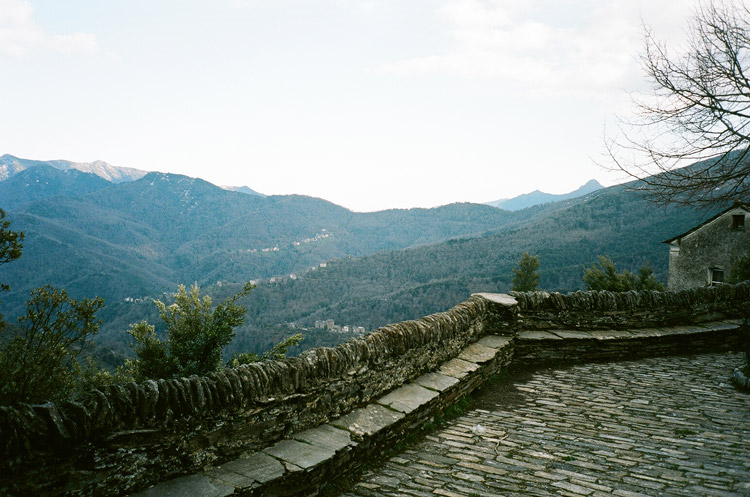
<point x="716" y="276"/>
<point x="738" y="221"/>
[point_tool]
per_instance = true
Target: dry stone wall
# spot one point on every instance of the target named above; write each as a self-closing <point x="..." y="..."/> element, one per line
<point x="122" y="437"/>
<point x="602" y="310"/>
<point x="125" y="437"/>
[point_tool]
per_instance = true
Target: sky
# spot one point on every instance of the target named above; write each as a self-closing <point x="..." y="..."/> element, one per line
<point x="370" y="104"/>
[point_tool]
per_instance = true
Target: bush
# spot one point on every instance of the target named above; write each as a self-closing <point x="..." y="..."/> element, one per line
<point x="196" y="335"/>
<point x="40" y="362"/>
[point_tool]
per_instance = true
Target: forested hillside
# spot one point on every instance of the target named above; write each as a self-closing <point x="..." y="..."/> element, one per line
<point x="135" y="241"/>
<point x="409" y="283"/>
<point x="141" y="238"/>
<point x="406" y="284"/>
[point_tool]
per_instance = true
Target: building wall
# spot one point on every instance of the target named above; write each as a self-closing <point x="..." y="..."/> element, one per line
<point x="715" y="245"/>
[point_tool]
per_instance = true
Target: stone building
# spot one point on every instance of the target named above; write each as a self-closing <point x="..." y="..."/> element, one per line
<point x="704" y="255"/>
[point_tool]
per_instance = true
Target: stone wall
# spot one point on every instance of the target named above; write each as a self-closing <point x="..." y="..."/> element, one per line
<point x="602" y="310"/>
<point x="122" y="438"/>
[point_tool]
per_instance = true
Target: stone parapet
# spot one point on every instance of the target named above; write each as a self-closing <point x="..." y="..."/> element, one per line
<point x="161" y="428"/>
<point x="124" y="438"/>
<point x="634" y="309"/>
<point x="312" y="459"/>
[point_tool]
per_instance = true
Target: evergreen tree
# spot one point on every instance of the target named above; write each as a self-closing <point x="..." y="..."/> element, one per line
<point x="10" y="249"/>
<point x="646" y="279"/>
<point x="603" y="275"/>
<point x="526" y="275"/>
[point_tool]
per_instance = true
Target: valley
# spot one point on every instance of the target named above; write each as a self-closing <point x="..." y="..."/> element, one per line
<point x="133" y="241"/>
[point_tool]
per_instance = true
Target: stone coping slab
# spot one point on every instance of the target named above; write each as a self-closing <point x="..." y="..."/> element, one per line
<point x="189" y="486"/>
<point x="494" y="341"/>
<point x="478" y="353"/>
<point x="327" y="437"/>
<point x="367" y="421"/>
<point x="408" y="398"/>
<point x="498" y="298"/>
<point x="436" y="381"/>
<point x="713" y="326"/>
<point x="458" y="368"/>
<point x="302" y="455"/>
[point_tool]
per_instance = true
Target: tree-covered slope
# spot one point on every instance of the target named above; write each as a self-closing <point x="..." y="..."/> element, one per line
<point x="136" y="240"/>
<point x="409" y="283"/>
<point x="145" y="237"/>
<point x="41" y="182"/>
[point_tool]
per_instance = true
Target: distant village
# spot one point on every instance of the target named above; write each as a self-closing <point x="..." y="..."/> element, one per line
<point x="328" y="324"/>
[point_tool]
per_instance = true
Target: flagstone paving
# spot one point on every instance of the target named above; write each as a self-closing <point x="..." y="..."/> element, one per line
<point x="671" y="426"/>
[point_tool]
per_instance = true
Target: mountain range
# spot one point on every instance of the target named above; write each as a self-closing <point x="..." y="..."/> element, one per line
<point x="10" y="165"/>
<point x="538" y="197"/>
<point x="131" y="241"/>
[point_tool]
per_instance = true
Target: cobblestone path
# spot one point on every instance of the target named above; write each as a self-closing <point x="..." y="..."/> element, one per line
<point x="659" y="427"/>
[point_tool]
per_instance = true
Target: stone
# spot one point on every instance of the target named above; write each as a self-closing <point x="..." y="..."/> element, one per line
<point x="188" y="486"/>
<point x="303" y="455"/>
<point x="367" y="421"/>
<point x="436" y="381"/>
<point x="537" y="335"/>
<point x="494" y="341"/>
<point x="457" y="368"/>
<point x="478" y="353"/>
<point x="259" y="467"/>
<point x="498" y="298"/>
<point x="327" y="437"/>
<point x="408" y="398"/>
<point x="55" y="423"/>
<point x="248" y="472"/>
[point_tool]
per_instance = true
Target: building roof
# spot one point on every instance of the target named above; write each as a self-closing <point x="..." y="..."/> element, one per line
<point x="736" y="204"/>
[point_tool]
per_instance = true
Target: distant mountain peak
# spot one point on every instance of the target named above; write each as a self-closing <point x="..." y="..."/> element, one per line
<point x="242" y="189"/>
<point x="538" y="197"/>
<point x="11" y="165"/>
<point x="44" y="181"/>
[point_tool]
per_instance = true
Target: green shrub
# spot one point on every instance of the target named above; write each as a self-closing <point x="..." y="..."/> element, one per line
<point x="40" y="362"/>
<point x="196" y="335"/>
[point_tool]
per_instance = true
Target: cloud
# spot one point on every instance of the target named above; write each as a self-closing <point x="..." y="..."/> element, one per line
<point x="544" y="46"/>
<point x="21" y="35"/>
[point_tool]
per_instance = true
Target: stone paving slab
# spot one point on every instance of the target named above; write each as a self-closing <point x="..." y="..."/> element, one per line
<point x="478" y="353"/>
<point x="436" y="381"/>
<point x="189" y="486"/>
<point x="326" y="436"/>
<point x="537" y="335"/>
<point x="302" y="455"/>
<point x="368" y="420"/>
<point x="457" y="368"/>
<point x="407" y="398"/>
<point x="669" y="426"/>
<point x="494" y="341"/>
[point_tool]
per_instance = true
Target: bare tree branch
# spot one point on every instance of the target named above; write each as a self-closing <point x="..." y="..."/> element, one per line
<point x="698" y="112"/>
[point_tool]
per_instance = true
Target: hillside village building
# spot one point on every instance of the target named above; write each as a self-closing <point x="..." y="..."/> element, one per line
<point x="705" y="255"/>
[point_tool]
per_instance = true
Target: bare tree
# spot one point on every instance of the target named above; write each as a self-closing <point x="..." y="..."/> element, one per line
<point x="698" y="111"/>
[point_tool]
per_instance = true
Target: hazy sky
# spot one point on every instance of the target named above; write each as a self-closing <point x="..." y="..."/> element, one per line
<point x="370" y="104"/>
